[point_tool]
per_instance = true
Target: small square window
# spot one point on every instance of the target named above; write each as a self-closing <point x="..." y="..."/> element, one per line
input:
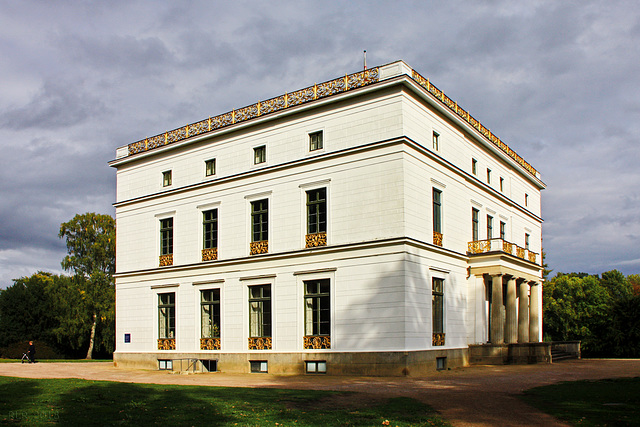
<point x="166" y="178"/>
<point x="259" y="366"/>
<point x="315" y="141"/>
<point x="127" y="338"/>
<point x="436" y="141"/>
<point x="474" y="166"/>
<point x="165" y="365"/>
<point x="441" y="363"/>
<point x="210" y="167"/>
<point x="259" y="155"/>
<point x="316" y="366"/>
<point x="488" y="176"/>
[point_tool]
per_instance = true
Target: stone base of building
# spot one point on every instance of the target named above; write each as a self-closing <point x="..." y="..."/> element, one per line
<point x="510" y="354"/>
<point x="410" y="363"/>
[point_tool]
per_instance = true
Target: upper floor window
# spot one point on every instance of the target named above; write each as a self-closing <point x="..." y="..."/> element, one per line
<point x="526" y="199"/>
<point x="474" y="166"/>
<point x="210" y="313"/>
<point x="167" y="315"/>
<point x="317" y="211"/>
<point x="317" y="309"/>
<point x="260" y="311"/>
<point x="166" y="178"/>
<point x="166" y="236"/>
<point x="437" y="305"/>
<point x="526" y="240"/>
<point x="503" y="230"/>
<point x="436" y="140"/>
<point x="210" y="229"/>
<point x="501" y="184"/>
<point x="260" y="220"/>
<point x="474" y="223"/>
<point x="259" y="154"/>
<point x="489" y="227"/>
<point x="315" y="141"/>
<point x="488" y="176"/>
<point x="437" y="210"/>
<point x="210" y="167"/>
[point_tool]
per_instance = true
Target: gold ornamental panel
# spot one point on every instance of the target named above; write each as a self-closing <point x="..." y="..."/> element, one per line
<point x="315" y="240"/>
<point x="272" y="105"/>
<point x="210" y="254"/>
<point x="437" y="238"/>
<point x="507" y="247"/>
<point x="438" y="339"/>
<point x="479" y="246"/>
<point x="210" y="344"/>
<point x="137" y="147"/>
<point x="300" y="96"/>
<point x="176" y="135"/>
<point x="166" y="260"/>
<point x="166" y="344"/>
<point x="261" y="247"/>
<point x="532" y="257"/>
<point x="331" y="88"/>
<point x="156" y="141"/>
<point x="260" y="343"/>
<point x="317" y="342"/>
<point x="519" y="252"/>
<point x="246" y="113"/>
<point x="198" y="127"/>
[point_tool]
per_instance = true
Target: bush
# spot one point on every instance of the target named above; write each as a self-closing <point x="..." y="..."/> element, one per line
<point x="16" y="350"/>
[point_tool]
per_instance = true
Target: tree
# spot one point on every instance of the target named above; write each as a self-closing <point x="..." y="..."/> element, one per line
<point x="634" y="281"/>
<point x="616" y="284"/>
<point x="90" y="242"/>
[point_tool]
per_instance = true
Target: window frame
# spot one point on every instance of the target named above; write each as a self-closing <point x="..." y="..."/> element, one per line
<point x="210" y="236"/>
<point x="316" y="220"/>
<point x="503" y="230"/>
<point x="260" y="154"/>
<point x="488" y="176"/>
<point x="210" y="171"/>
<point x="437" y="305"/>
<point x="166" y="236"/>
<point x="475" y="224"/>
<point x="501" y="184"/>
<point x="320" y="309"/>
<point x="265" y="329"/>
<point x="489" y="227"/>
<point x="527" y="240"/>
<point x="435" y="140"/>
<point x="315" y="143"/>
<point x="214" y="315"/>
<point x="259" y="219"/>
<point x="167" y="320"/>
<point x="436" y="209"/>
<point x="474" y="166"/>
<point x="167" y="178"/>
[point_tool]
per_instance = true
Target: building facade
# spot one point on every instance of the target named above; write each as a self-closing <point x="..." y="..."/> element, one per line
<point x="366" y="225"/>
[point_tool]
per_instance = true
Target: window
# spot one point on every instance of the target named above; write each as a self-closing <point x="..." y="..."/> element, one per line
<point x="316" y="366"/>
<point x="260" y="220"/>
<point x="474" y="224"/>
<point x="503" y="230"/>
<point x="315" y="141"/>
<point x="210" y="229"/>
<point x="210" y="313"/>
<point x="526" y="240"/>
<point x="489" y="227"/>
<point x="437" y="210"/>
<point x="526" y="199"/>
<point x="488" y="176"/>
<point x="436" y="140"/>
<point x="167" y="315"/>
<point x="259" y="154"/>
<point x="260" y="311"/>
<point x="317" y="310"/>
<point x="474" y="166"/>
<point x="166" y="178"/>
<point x="317" y="211"/>
<point x="261" y="366"/>
<point x="210" y="167"/>
<point x="437" y="305"/>
<point x="165" y="365"/>
<point x="501" y="184"/>
<point x="441" y="363"/>
<point x="166" y="236"/>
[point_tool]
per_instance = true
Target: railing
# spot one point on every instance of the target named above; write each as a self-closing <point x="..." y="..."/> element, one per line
<point x="166" y="344"/>
<point x="261" y="247"/>
<point x="317" y="342"/>
<point x="210" y="344"/>
<point x="438" y="339"/>
<point x="315" y="240"/>
<point x="500" y="245"/>
<point x="302" y="96"/>
<point x="437" y="238"/>
<point x="260" y="343"/>
<point x="166" y="260"/>
<point x="210" y="254"/>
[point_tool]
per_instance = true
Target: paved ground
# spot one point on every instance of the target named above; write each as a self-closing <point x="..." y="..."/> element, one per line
<point x="475" y="396"/>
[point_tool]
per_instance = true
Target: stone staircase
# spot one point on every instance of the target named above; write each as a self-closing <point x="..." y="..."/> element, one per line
<point x="565" y="351"/>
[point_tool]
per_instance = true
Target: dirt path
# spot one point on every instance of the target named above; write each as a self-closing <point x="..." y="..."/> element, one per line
<point x="475" y="396"/>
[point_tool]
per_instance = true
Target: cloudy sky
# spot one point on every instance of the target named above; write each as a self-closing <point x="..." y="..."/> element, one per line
<point x="559" y="81"/>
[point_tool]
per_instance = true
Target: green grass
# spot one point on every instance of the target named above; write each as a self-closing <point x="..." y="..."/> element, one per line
<point x="613" y="402"/>
<point x="37" y="402"/>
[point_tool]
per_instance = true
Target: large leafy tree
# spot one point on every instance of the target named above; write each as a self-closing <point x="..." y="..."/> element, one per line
<point x="90" y="239"/>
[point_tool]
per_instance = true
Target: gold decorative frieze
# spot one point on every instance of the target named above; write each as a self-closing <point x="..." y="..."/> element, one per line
<point x="532" y="257"/>
<point x="519" y="252"/>
<point x="438" y="339"/>
<point x="315" y="240"/>
<point x="210" y="254"/>
<point x="351" y="81"/>
<point x="437" y="238"/>
<point x="317" y="342"/>
<point x="166" y="344"/>
<point x="260" y="343"/>
<point x="210" y="344"/>
<point x="479" y="246"/>
<point x="166" y="260"/>
<point x="507" y="247"/>
<point x="261" y="247"/>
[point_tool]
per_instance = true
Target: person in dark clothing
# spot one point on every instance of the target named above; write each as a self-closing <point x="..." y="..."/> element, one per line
<point x="31" y="352"/>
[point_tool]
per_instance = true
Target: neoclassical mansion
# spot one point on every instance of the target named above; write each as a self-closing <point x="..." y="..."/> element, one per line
<point x="365" y="225"/>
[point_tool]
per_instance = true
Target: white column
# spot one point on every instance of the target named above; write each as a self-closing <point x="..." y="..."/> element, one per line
<point x="497" y="311"/>
<point x="534" y="313"/>
<point x="523" y="311"/>
<point x="511" y="321"/>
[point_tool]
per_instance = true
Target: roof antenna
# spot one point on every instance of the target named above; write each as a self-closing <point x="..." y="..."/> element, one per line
<point x="365" y="59"/>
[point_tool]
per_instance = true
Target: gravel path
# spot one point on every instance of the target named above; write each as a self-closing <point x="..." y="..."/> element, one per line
<point x="473" y="396"/>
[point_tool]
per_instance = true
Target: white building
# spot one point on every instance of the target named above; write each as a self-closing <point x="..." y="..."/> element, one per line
<point x="365" y="225"/>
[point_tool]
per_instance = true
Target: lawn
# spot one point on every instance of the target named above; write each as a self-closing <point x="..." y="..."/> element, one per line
<point x="36" y="402"/>
<point x="613" y="402"/>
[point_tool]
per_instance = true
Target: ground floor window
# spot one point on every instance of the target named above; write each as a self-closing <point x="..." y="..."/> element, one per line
<point x="259" y="366"/>
<point x="260" y="311"/>
<point x="165" y="365"/>
<point x="316" y="366"/>
<point x="441" y="363"/>
<point x="210" y="313"/>
<point x="167" y="315"/>
<point x="437" y="299"/>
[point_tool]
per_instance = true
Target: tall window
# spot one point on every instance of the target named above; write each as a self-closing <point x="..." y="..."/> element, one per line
<point x="259" y="154"/>
<point x="315" y="141"/>
<point x="317" y="211"/>
<point x="526" y="240"/>
<point x="210" y="313"/>
<point x="210" y="167"/>
<point x="474" y="224"/>
<point x="474" y="166"/>
<point x="166" y="236"/>
<point x="317" y="311"/>
<point x="501" y="184"/>
<point x="436" y="140"/>
<point x="526" y="199"/>
<point x="167" y="315"/>
<point x="260" y="220"/>
<point x="166" y="178"/>
<point x="210" y="228"/>
<point x="489" y="227"/>
<point x="260" y="311"/>
<point x="488" y="176"/>
<point x="437" y="305"/>
<point x="503" y="230"/>
<point x="437" y="210"/>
